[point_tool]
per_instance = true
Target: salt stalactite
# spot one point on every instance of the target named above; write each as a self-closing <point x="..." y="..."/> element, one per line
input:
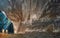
<point x="2" y="30"/>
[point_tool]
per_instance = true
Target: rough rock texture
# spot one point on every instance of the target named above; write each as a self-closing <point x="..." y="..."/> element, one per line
<point x="24" y="13"/>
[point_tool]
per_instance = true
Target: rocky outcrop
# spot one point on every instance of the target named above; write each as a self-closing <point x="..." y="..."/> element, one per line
<point x="28" y="12"/>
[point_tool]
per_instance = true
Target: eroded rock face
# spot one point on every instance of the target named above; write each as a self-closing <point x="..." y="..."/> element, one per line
<point x="28" y="11"/>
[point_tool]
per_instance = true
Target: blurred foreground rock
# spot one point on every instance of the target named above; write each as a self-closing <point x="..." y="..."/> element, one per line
<point x="31" y="35"/>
